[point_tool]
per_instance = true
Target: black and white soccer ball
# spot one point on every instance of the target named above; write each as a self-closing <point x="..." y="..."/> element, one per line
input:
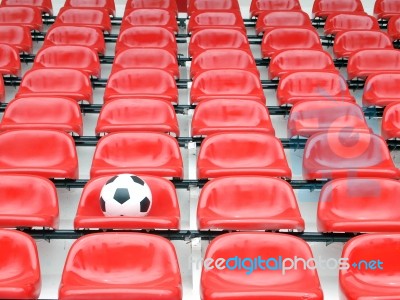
<point x="125" y="195"/>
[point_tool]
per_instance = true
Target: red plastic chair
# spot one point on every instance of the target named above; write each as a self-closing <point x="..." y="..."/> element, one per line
<point x="268" y="282"/>
<point x="10" y="63"/>
<point x="359" y="205"/>
<point x="393" y="27"/>
<point x="2" y="90"/>
<point x="141" y="83"/>
<point x="152" y="58"/>
<point x="270" y="204"/>
<point x="109" y="5"/>
<point x="164" y="212"/>
<point x="216" y="19"/>
<point x="17" y="36"/>
<point x="76" y="35"/>
<point x="289" y="38"/>
<point x="44" y="5"/>
<point x="285" y="61"/>
<point x="150" y="17"/>
<point x="43" y="113"/>
<point x="348" y="42"/>
<point x="391" y="121"/>
<point x="163" y="4"/>
<point x="102" y="266"/>
<point x="339" y="22"/>
<point x="209" y="5"/>
<point x="230" y="115"/>
<point x="148" y="153"/>
<point x="223" y="59"/>
<point x="376" y="271"/>
<point x="312" y="85"/>
<point x="146" y="37"/>
<point x="346" y="154"/>
<point x="30" y="17"/>
<point x="268" y="20"/>
<point x="363" y="63"/>
<point x="27" y="201"/>
<point x="90" y="17"/>
<point x="70" y="57"/>
<point x="386" y="9"/>
<point x="250" y="153"/>
<point x="20" y="269"/>
<point x="233" y="84"/>
<point x="213" y="38"/>
<point x="54" y="82"/>
<point x="380" y="89"/>
<point x="28" y="152"/>
<point x="137" y="115"/>
<point x="323" y="8"/>
<point x="259" y="6"/>
<point x="309" y="117"/>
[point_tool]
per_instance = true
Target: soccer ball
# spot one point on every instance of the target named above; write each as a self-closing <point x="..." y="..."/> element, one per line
<point x="125" y="195"/>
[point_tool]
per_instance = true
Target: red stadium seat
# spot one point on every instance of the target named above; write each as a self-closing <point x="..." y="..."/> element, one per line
<point x="43" y="113"/>
<point x="346" y="154"/>
<point x="148" y="153"/>
<point x="164" y="212"/>
<point x="2" y="90"/>
<point x="141" y="83"/>
<point x="391" y="121"/>
<point x="150" y="17"/>
<point x="359" y="205"/>
<point x="247" y="153"/>
<point x="393" y="28"/>
<point x="323" y="8"/>
<point x="339" y="22"/>
<point x="146" y="37"/>
<point x="286" y="61"/>
<point x="380" y="89"/>
<point x="222" y="38"/>
<point x="163" y="4"/>
<point x="17" y="36"/>
<point x="10" y="63"/>
<point x="223" y="59"/>
<point x="152" y="58"/>
<point x="30" y="17"/>
<point x="312" y="85"/>
<point x="109" y="5"/>
<point x="259" y="6"/>
<point x="76" y="35"/>
<point x="258" y="280"/>
<point x="211" y="5"/>
<point x="20" y="270"/>
<point x="309" y="117"/>
<point x="230" y="115"/>
<point x="275" y="19"/>
<point x="44" y="5"/>
<point x="367" y="62"/>
<point x="29" y="152"/>
<point x="54" y="82"/>
<point x="386" y="9"/>
<point x="270" y="204"/>
<point x="233" y="84"/>
<point x="27" y="201"/>
<point x="348" y="42"/>
<point x="216" y="19"/>
<point x="289" y="38"/>
<point x="137" y="115"/>
<point x="111" y="265"/>
<point x="375" y="274"/>
<point x="89" y="17"/>
<point x="70" y="57"/>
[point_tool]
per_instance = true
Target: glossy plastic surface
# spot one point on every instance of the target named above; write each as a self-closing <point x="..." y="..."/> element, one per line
<point x="259" y="6"/>
<point x="30" y="17"/>
<point x="391" y="121"/>
<point x="44" y="5"/>
<point x="43" y="113"/>
<point x="164" y="212"/>
<point x="228" y="154"/>
<point x="346" y="154"/>
<point x="2" y="90"/>
<point x="393" y="28"/>
<point x="17" y="36"/>
<point x="270" y="204"/>
<point x="150" y="17"/>
<point x="216" y="19"/>
<point x="323" y="8"/>
<point x="140" y="153"/>
<point x="109" y="5"/>
<point x="338" y="22"/>
<point x="164" y="4"/>
<point x="207" y="5"/>
<point x="380" y="89"/>
<point x="268" y="20"/>
<point x="10" y="63"/>
<point x="90" y="17"/>
<point x="385" y="9"/>
<point x="111" y="265"/>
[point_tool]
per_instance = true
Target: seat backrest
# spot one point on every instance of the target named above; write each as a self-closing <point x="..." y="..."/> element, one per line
<point x="259" y="6"/>
<point x="323" y="8"/>
<point x="338" y="22"/>
<point x="207" y="5"/>
<point x="274" y="19"/>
